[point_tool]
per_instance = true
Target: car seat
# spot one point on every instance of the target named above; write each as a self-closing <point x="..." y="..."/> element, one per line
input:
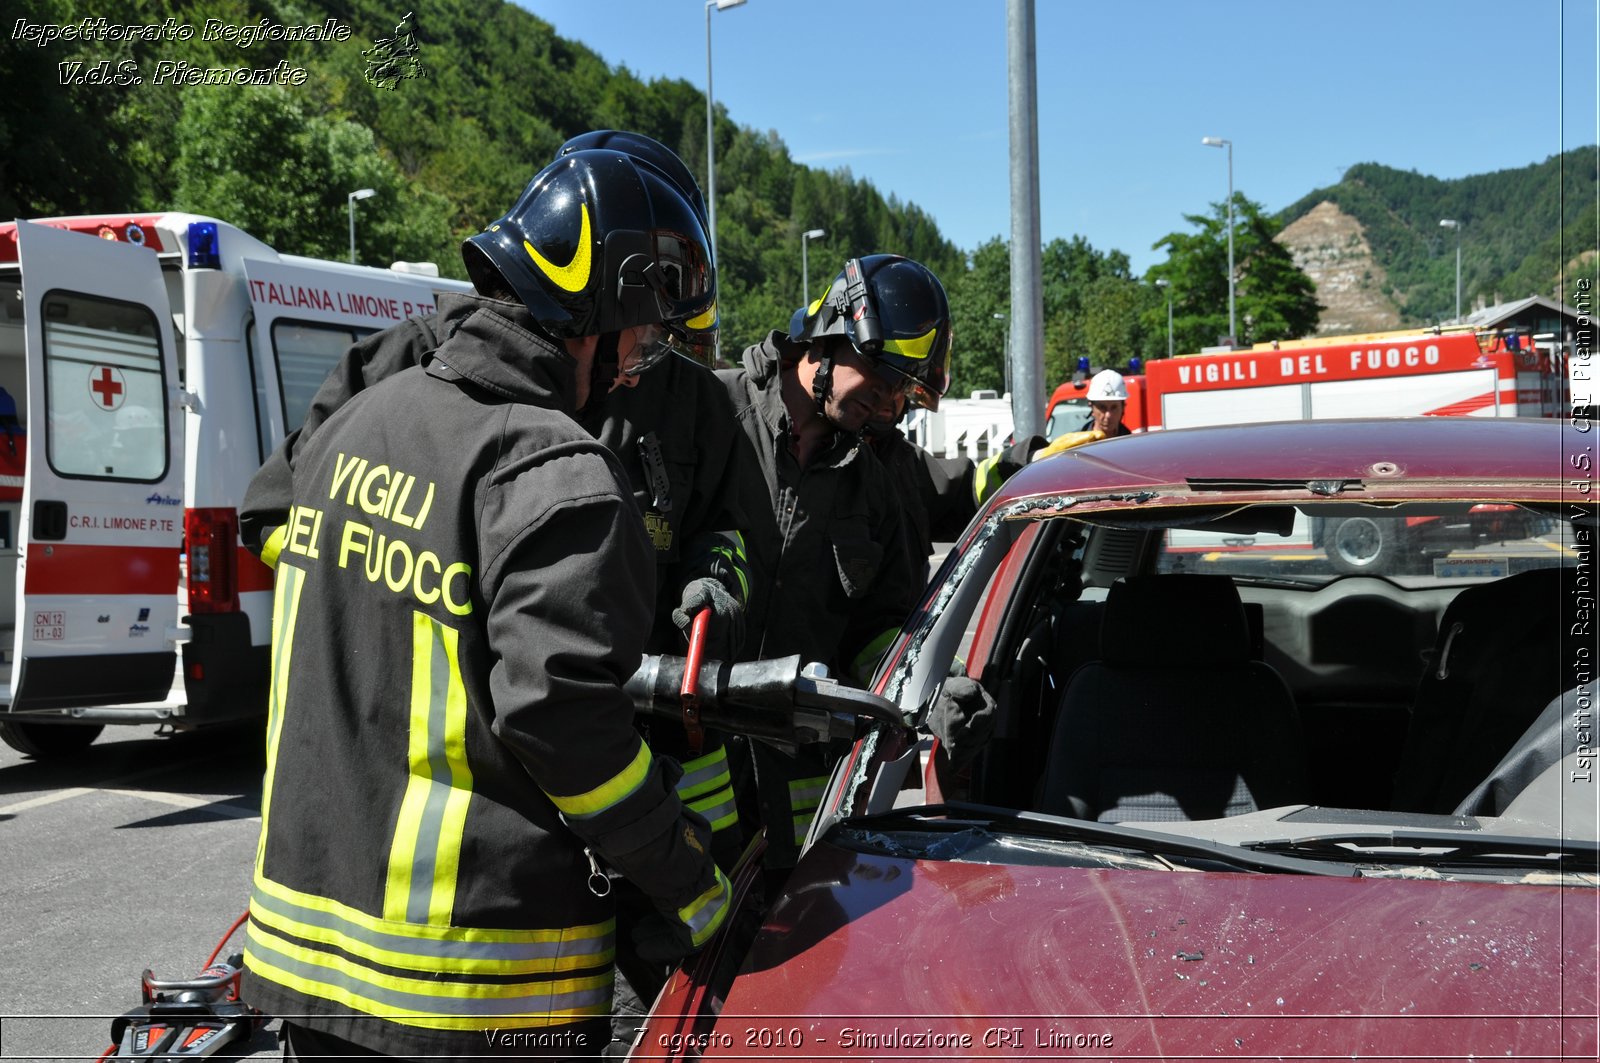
<point x="1551" y="737"/>
<point x="1176" y="720"/>
<point x="1498" y="662"/>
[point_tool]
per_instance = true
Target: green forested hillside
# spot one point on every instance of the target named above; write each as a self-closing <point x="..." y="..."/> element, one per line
<point x="447" y="153"/>
<point x="1519" y="227"/>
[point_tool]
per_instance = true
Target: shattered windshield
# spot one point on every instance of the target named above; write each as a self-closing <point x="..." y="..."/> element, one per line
<point x="1213" y="671"/>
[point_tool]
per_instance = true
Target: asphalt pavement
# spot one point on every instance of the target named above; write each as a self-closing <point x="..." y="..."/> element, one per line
<point x="134" y="853"/>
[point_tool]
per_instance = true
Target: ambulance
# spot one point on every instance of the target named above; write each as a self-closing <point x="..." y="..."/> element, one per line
<point x="148" y="365"/>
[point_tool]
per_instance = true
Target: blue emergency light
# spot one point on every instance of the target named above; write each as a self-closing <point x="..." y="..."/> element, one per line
<point x="205" y="252"/>
<point x="1083" y="363"/>
<point x="1135" y="365"/>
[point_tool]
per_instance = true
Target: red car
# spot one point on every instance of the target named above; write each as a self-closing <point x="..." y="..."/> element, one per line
<point x="1215" y="803"/>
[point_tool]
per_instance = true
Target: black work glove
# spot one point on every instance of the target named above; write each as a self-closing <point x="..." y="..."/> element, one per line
<point x="725" y="632"/>
<point x="962" y="719"/>
<point x="659" y="938"/>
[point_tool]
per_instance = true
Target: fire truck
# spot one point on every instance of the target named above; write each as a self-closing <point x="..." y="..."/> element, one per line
<point x="148" y="364"/>
<point x="1459" y="372"/>
<point x="1440" y="373"/>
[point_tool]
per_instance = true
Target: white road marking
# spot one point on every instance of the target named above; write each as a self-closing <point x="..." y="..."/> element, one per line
<point x="112" y="787"/>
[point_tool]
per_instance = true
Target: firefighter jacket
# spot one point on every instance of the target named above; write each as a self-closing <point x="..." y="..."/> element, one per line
<point x="462" y="586"/>
<point x="941" y="495"/>
<point x="673" y="435"/>
<point x="832" y="577"/>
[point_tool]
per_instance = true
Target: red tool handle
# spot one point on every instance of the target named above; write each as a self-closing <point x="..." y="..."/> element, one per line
<point x="689" y="695"/>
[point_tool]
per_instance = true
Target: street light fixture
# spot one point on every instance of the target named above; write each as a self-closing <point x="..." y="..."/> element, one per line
<point x="711" y="140"/>
<point x="805" y="270"/>
<point x="1005" y="342"/>
<point x="350" y="201"/>
<point x="1222" y="142"/>
<point x="1452" y="223"/>
<point x="1166" y="286"/>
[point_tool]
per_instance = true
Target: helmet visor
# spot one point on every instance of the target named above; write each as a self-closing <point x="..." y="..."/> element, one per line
<point x="654" y="344"/>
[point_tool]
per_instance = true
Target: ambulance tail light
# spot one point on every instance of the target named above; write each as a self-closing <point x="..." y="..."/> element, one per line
<point x="211" y="538"/>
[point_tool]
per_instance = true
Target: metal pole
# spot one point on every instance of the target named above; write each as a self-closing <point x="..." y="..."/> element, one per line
<point x="1169" y="324"/>
<point x="1458" y="274"/>
<point x="350" y="201"/>
<point x="805" y="272"/>
<point x="1027" y="287"/>
<point x="711" y="145"/>
<point x="1233" y="323"/>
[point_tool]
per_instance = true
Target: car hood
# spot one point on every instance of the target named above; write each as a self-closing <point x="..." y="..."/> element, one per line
<point x="863" y="947"/>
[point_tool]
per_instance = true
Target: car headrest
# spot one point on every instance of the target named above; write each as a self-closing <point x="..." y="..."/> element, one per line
<point x="1174" y="620"/>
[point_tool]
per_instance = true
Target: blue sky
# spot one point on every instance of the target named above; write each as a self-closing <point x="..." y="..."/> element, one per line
<point x="912" y="94"/>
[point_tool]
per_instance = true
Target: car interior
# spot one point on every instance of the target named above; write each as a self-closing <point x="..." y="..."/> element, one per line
<point x="1216" y="662"/>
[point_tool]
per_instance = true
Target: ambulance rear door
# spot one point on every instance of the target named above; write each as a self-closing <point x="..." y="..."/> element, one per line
<point x="102" y="503"/>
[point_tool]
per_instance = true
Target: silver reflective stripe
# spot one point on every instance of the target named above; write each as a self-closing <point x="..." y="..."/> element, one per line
<point x="718" y="808"/>
<point x="305" y="922"/>
<point x="441" y="771"/>
<point x="806" y="794"/>
<point x="704" y="914"/>
<point x="704" y="774"/>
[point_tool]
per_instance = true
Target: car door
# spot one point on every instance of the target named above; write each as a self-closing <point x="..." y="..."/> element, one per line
<point x="102" y="503"/>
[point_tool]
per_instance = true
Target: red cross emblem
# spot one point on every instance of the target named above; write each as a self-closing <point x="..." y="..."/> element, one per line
<point x="106" y="383"/>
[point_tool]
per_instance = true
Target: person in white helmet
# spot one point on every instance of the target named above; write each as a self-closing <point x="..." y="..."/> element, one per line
<point x="1108" y="397"/>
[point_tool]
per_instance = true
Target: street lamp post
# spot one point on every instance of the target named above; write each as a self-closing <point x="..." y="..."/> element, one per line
<point x="1452" y="223"/>
<point x="1166" y="286"/>
<point x="711" y="140"/>
<point x="1005" y="342"/>
<point x="1222" y="142"/>
<point x="350" y="201"/>
<point x="805" y="269"/>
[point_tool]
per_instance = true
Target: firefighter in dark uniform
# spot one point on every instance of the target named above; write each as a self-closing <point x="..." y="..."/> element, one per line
<point x="833" y="576"/>
<point x="463" y="583"/>
<point x="672" y="429"/>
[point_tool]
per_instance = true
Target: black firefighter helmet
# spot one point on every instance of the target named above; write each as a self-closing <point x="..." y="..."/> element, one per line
<point x="894" y="312"/>
<point x="600" y="242"/>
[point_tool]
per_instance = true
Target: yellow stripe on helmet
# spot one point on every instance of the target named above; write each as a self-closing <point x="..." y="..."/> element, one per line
<point x="574" y="276"/>
<point x="920" y="347"/>
<point x="701" y="322"/>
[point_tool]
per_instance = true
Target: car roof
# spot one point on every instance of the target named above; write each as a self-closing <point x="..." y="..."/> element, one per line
<point x="1428" y="457"/>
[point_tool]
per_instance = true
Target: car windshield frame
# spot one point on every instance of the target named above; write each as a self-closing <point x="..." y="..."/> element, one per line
<point x="941" y="626"/>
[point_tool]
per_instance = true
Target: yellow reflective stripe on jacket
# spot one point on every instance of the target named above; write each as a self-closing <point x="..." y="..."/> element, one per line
<point x="804" y="797"/>
<point x="425" y="854"/>
<point x="427" y="1002"/>
<point x="986" y="478"/>
<point x="705" y="913"/>
<point x="285" y="610"/>
<point x="617" y="788"/>
<point x="705" y="787"/>
<point x="735" y="554"/>
<point x="719" y="809"/>
<point x="274" y="545"/>
<point x="703" y="774"/>
<point x="444" y="951"/>
<point x="867" y="660"/>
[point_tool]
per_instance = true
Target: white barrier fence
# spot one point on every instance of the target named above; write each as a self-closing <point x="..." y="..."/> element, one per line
<point x="969" y="428"/>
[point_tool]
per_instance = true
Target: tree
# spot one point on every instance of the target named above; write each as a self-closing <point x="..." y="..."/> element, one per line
<point x="1274" y="298"/>
<point x="258" y="160"/>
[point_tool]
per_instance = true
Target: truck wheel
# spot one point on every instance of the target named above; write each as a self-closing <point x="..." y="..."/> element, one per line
<point x="46" y="741"/>
<point x="1363" y="546"/>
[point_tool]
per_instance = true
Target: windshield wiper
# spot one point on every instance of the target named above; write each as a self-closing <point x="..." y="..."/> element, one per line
<point x="962" y="815"/>
<point x="1478" y="846"/>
